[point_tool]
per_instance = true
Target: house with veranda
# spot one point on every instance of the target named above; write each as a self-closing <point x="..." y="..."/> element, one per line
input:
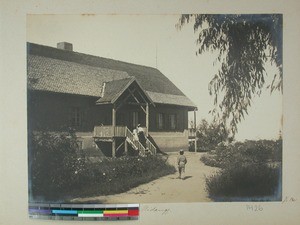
<point x="103" y="100"/>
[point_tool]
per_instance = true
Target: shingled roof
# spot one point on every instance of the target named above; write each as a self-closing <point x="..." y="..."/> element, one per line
<point x="71" y="70"/>
<point x="112" y="90"/>
<point x="46" y="74"/>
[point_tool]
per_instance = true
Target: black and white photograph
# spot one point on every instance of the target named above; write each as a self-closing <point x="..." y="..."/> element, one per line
<point x="152" y="112"/>
<point x="154" y="108"/>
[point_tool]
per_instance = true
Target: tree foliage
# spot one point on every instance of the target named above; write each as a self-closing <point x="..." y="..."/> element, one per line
<point x="209" y="135"/>
<point x="55" y="163"/>
<point x="244" y="44"/>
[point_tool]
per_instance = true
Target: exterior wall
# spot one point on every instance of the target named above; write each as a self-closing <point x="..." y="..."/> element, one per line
<point x="49" y="111"/>
<point x="125" y="116"/>
<point x="181" y="117"/>
<point x="169" y="140"/>
<point x="53" y="112"/>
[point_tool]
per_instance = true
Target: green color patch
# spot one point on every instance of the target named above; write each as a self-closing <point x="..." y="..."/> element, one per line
<point x="90" y="212"/>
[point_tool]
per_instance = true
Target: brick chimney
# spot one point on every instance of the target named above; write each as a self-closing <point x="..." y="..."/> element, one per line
<point x="65" y="46"/>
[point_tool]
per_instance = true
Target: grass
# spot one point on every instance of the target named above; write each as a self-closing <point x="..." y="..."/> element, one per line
<point x="249" y="171"/>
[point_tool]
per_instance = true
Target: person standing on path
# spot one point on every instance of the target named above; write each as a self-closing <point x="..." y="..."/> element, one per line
<point x="181" y="161"/>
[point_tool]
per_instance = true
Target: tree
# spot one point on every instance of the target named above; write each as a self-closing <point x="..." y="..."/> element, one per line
<point x="209" y="135"/>
<point x="244" y="44"/>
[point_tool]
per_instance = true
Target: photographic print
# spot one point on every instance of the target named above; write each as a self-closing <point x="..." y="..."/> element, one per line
<point x="154" y="108"/>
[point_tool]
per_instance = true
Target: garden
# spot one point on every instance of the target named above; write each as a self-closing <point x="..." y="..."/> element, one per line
<point x="59" y="171"/>
<point x="249" y="171"/>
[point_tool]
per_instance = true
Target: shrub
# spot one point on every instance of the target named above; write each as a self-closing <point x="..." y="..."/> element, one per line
<point x="210" y="160"/>
<point x="58" y="171"/>
<point x="247" y="169"/>
<point x="246" y="182"/>
<point x="116" y="175"/>
<point x="53" y="163"/>
<point x="248" y="152"/>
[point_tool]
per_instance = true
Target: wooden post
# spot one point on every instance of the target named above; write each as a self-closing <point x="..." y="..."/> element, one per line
<point x="147" y="119"/>
<point x="125" y="143"/>
<point x="113" y="149"/>
<point x="114" y="116"/>
<point x="195" y="129"/>
<point x="126" y="147"/>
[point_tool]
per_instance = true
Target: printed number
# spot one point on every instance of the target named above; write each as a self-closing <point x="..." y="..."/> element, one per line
<point x="254" y="208"/>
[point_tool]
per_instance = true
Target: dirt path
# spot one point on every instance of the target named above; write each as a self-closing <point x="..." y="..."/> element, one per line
<point x="168" y="188"/>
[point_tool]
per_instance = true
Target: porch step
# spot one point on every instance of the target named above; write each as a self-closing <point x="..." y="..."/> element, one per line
<point x="132" y="144"/>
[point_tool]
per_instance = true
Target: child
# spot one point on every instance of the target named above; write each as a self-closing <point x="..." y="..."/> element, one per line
<point x="181" y="161"/>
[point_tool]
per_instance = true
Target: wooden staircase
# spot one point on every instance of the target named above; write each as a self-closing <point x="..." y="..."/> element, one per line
<point x="138" y="146"/>
<point x="113" y="134"/>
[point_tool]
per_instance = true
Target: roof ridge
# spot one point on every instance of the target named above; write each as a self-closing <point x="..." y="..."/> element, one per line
<point x="95" y="56"/>
<point x="81" y="64"/>
<point x="126" y="78"/>
<point x="149" y="78"/>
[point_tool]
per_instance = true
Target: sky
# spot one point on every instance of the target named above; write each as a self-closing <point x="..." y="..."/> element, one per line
<point x="153" y="40"/>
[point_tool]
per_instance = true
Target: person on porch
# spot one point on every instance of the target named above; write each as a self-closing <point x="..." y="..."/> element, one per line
<point x="141" y="135"/>
<point x="135" y="136"/>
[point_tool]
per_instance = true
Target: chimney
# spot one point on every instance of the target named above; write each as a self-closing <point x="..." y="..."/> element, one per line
<point x="65" y="46"/>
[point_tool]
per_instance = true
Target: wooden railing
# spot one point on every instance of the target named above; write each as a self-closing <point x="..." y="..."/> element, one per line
<point x="134" y="143"/>
<point x="109" y="131"/>
<point x="122" y="131"/>
<point x="150" y="147"/>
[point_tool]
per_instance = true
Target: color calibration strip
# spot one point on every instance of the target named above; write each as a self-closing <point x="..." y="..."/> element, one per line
<point x="84" y="211"/>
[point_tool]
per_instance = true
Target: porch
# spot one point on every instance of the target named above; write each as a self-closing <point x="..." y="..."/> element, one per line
<point x="125" y="137"/>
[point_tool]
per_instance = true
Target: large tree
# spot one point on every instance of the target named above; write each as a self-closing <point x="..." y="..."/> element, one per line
<point x="244" y="44"/>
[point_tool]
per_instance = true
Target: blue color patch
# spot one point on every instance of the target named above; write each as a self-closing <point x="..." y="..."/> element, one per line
<point x="64" y="212"/>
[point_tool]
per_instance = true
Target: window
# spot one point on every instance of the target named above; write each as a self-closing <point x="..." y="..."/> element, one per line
<point x="172" y="121"/>
<point x="76" y="117"/>
<point x="167" y="122"/>
<point x="160" y="121"/>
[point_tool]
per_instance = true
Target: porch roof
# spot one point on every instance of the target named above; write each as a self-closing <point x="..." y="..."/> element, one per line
<point x="112" y="90"/>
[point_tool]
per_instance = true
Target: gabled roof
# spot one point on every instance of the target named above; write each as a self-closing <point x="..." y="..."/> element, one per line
<point x="79" y="73"/>
<point x="112" y="90"/>
<point x="53" y="75"/>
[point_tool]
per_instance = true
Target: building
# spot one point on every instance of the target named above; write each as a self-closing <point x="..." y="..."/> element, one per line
<point x="104" y="100"/>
